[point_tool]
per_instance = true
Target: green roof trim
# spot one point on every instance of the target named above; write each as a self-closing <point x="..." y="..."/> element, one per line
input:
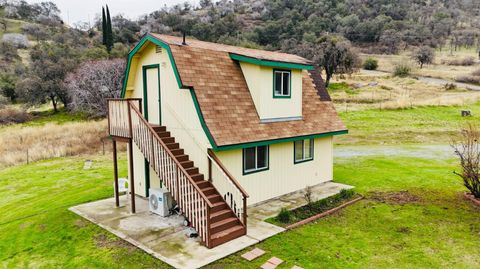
<point x="268" y="63"/>
<point x="278" y="140"/>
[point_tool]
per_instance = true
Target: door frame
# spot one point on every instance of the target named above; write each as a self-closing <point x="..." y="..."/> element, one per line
<point x="145" y="114"/>
<point x="145" y="91"/>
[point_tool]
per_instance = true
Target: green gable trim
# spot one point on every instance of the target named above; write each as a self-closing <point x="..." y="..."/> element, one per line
<point x="137" y="48"/>
<point x="279" y="140"/>
<point x="256" y="61"/>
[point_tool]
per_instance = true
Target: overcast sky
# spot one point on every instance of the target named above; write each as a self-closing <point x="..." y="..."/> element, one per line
<point x="85" y="10"/>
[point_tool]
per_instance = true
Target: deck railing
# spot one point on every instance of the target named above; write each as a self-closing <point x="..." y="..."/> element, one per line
<point x="193" y="203"/>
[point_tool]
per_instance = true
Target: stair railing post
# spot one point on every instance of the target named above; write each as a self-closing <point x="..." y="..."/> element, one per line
<point x="245" y="212"/>
<point x="207" y="240"/>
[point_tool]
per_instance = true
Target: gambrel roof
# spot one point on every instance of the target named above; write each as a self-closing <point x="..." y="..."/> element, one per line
<point x="225" y="105"/>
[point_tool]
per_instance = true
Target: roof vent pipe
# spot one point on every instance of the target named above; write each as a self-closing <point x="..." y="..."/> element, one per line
<point x="183" y="42"/>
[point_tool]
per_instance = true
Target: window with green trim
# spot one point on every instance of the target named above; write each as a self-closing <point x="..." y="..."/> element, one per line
<point x="255" y="159"/>
<point x="281" y="83"/>
<point x="303" y="150"/>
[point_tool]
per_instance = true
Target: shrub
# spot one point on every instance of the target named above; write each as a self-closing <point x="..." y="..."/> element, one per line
<point x="19" y="41"/>
<point x="346" y="194"/>
<point x="402" y="70"/>
<point x="370" y="64"/>
<point x="13" y="115"/>
<point x="469" y="79"/>
<point x="468" y="61"/>
<point x="450" y="86"/>
<point x="468" y="151"/>
<point x="284" y="216"/>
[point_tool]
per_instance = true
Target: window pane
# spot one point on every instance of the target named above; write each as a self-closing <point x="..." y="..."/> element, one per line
<point x="298" y="150"/>
<point x="286" y="83"/>
<point x="249" y="158"/>
<point x="262" y="157"/>
<point x="308" y="148"/>
<point x="278" y="83"/>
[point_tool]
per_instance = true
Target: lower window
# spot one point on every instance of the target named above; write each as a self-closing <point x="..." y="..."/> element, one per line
<point x="303" y="150"/>
<point x="255" y="159"/>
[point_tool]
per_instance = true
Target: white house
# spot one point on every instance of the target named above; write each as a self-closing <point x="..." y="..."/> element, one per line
<point x="222" y="127"/>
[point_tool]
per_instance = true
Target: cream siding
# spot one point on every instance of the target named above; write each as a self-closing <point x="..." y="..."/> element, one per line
<point x="177" y="110"/>
<point x="283" y="176"/>
<point x="260" y="83"/>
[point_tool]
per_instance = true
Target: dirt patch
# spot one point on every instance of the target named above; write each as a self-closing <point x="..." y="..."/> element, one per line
<point x="103" y="241"/>
<point x="79" y="223"/>
<point x="400" y="198"/>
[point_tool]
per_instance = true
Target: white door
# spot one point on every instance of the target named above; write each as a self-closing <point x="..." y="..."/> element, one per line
<point x="151" y="94"/>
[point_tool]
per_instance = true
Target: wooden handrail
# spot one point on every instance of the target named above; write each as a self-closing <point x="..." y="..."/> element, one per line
<point x="232" y="179"/>
<point x="170" y="153"/>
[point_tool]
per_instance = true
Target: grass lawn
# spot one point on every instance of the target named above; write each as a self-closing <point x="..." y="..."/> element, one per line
<point x="431" y="225"/>
<point x="413" y="217"/>
<point x="37" y="230"/>
<point x="431" y="124"/>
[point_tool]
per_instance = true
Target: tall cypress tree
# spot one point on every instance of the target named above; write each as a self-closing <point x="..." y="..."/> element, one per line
<point x="104" y="27"/>
<point x="109" y="40"/>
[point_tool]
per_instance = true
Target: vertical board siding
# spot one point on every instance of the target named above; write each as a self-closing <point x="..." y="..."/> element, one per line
<point x="283" y="176"/>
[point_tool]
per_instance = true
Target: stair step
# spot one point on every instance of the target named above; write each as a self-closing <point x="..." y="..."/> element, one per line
<point x="192" y="170"/>
<point x="158" y="128"/>
<point x="197" y="177"/>
<point x="163" y="134"/>
<point x="223" y="224"/>
<point x="209" y="190"/>
<point x="168" y="140"/>
<point x="177" y="152"/>
<point x="187" y="164"/>
<point x="182" y="157"/>
<point x="215" y="198"/>
<point x="218" y="206"/>
<point x="227" y="235"/>
<point x="220" y="215"/>
<point x="203" y="184"/>
<point x="172" y="145"/>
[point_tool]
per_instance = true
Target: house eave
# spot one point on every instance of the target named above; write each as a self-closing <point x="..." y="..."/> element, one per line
<point x="263" y="62"/>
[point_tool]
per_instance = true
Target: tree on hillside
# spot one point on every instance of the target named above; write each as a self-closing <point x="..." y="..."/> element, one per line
<point x="423" y="55"/>
<point x="7" y="86"/>
<point x="50" y="62"/>
<point x="333" y="54"/>
<point x="109" y="38"/>
<point x="92" y="83"/>
<point x="104" y="27"/>
<point x="107" y="32"/>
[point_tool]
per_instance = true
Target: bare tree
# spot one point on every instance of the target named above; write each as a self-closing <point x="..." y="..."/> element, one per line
<point x="468" y="150"/>
<point x="92" y="83"/>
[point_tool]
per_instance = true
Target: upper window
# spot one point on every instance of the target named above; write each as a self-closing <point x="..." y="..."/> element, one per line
<point x="303" y="150"/>
<point x="281" y="83"/>
<point x="255" y="159"/>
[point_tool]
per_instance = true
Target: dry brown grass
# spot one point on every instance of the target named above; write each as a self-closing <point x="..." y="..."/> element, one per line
<point x="50" y="140"/>
<point x="394" y="92"/>
<point x="11" y="115"/>
<point x="441" y="68"/>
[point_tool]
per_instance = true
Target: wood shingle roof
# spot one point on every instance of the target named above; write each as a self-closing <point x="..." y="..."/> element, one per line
<point x="225" y="101"/>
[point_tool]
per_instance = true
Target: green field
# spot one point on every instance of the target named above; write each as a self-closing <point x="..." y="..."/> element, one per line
<point x="430" y="124"/>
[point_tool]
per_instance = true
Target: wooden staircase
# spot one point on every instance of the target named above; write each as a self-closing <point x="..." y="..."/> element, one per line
<point x="224" y="224"/>
<point x="217" y="213"/>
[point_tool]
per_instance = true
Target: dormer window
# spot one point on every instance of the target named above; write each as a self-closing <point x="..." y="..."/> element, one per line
<point x="282" y="83"/>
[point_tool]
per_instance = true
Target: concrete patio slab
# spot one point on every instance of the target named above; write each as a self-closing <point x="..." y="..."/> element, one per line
<point x="166" y="238"/>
